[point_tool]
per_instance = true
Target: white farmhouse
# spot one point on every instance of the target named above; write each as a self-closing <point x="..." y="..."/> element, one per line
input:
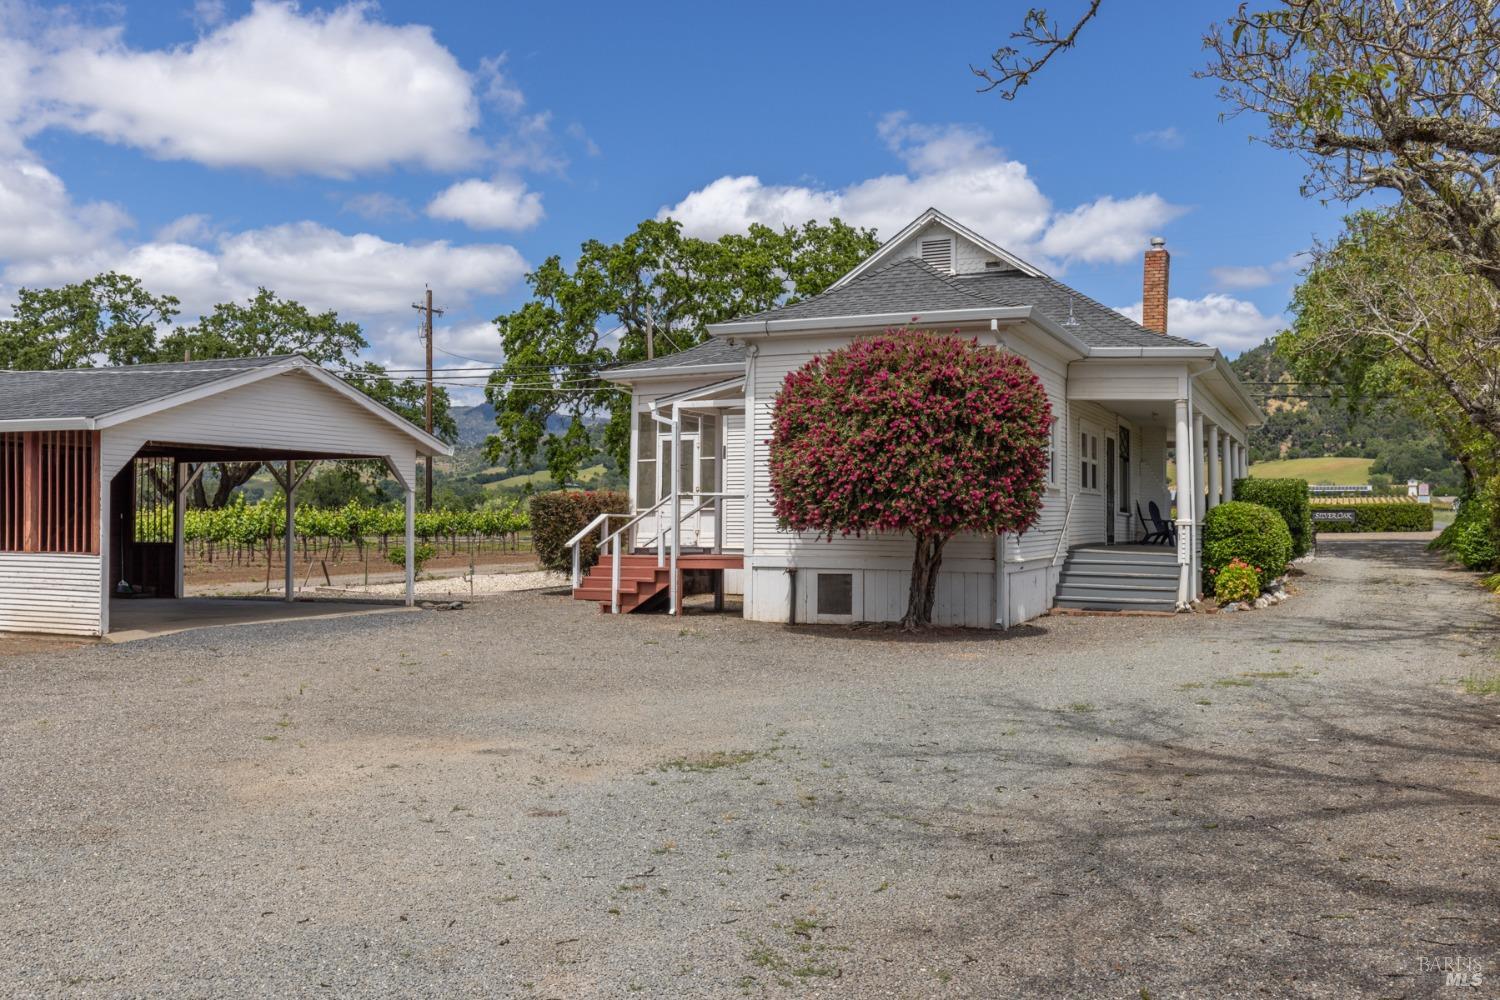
<point x="1127" y="398"/>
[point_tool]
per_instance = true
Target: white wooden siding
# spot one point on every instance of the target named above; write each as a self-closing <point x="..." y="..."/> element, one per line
<point x="288" y="410"/>
<point x="47" y="592"/>
<point x="968" y="258"/>
<point x="733" y="467"/>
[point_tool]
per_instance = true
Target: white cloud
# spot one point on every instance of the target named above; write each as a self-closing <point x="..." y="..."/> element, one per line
<point x="329" y="93"/>
<point x="955" y="168"/>
<point x="38" y="219"/>
<point x="1255" y="275"/>
<point x="503" y="203"/>
<point x="378" y="205"/>
<point x="1108" y="230"/>
<point x="1230" y="324"/>
<point x="195" y="227"/>
<point x="1165" y="138"/>
<point x="362" y="274"/>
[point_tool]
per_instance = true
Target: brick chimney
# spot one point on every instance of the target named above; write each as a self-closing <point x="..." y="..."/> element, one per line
<point x="1154" y="293"/>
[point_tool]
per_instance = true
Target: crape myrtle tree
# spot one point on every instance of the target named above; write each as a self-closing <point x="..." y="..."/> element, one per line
<point x="911" y="432"/>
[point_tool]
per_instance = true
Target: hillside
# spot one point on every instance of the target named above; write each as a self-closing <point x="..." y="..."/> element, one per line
<point x="1303" y="423"/>
<point x="1329" y="471"/>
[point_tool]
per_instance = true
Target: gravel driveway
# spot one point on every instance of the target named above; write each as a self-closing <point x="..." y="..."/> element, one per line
<point x="525" y="799"/>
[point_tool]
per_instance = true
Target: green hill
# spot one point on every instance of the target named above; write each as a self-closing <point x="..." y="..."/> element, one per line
<point x="1330" y="471"/>
<point x="1311" y="423"/>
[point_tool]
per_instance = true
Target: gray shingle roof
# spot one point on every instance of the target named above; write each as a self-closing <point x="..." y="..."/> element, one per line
<point x="908" y="285"/>
<point x="913" y="286"/>
<point x="94" y="392"/>
<point x="1098" y="324"/>
<point x="715" y="351"/>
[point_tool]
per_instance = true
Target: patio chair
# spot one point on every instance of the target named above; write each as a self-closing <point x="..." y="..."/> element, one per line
<point x="1165" y="529"/>
<point x="1149" y="536"/>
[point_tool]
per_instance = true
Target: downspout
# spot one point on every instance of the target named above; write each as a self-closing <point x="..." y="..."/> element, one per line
<point x="791" y="609"/>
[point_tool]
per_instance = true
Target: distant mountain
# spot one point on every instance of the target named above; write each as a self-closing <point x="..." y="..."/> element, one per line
<point x="1303" y="422"/>
<point x="475" y="423"/>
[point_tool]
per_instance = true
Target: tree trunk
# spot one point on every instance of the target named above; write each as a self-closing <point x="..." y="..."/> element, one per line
<point x="232" y="475"/>
<point x="926" y="562"/>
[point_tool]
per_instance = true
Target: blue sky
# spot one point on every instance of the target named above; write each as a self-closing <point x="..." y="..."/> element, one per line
<point x="345" y="155"/>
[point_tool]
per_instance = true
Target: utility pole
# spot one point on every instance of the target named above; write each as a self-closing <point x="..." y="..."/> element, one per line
<point x="427" y="312"/>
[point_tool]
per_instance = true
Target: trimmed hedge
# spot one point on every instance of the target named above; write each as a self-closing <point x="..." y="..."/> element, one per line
<point x="1405" y="516"/>
<point x="558" y="516"/>
<point x="1249" y="532"/>
<point x="1287" y="497"/>
<point x="1473" y="539"/>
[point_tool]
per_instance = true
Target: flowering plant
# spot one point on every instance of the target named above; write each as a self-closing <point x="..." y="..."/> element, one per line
<point x="911" y="432"/>
<point x="1238" y="581"/>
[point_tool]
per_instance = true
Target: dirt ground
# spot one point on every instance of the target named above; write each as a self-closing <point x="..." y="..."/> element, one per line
<point x="526" y="798"/>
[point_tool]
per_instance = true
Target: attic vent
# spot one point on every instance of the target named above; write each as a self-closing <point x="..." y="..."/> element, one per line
<point x="938" y="253"/>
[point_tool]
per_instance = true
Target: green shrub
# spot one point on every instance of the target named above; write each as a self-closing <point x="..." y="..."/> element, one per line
<point x="1473" y="539"/>
<point x="1236" y="582"/>
<point x="419" y="556"/>
<point x="1403" y="516"/>
<point x="1249" y="532"/>
<point x="557" y="517"/>
<point x="1287" y="497"/>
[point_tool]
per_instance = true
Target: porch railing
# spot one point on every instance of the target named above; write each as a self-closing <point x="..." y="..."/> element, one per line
<point x="613" y="542"/>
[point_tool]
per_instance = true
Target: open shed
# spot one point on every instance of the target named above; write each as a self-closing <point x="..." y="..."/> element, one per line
<point x="95" y="461"/>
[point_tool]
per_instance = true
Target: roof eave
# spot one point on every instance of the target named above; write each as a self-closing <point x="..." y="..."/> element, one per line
<point x="926" y="218"/>
<point x="869" y="321"/>
<point x="627" y="377"/>
<point x="47" y="424"/>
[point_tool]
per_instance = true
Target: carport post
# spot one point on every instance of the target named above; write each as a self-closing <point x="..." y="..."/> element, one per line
<point x="291" y="529"/>
<point x="411" y="541"/>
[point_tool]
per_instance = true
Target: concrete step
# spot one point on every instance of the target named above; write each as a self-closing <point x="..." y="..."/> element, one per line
<point x="1166" y="554"/>
<point x="1084" y="588"/>
<point x="1116" y="604"/>
<point x="1118" y="573"/>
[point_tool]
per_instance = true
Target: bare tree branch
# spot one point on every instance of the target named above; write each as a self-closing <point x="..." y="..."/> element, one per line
<point x="1010" y="69"/>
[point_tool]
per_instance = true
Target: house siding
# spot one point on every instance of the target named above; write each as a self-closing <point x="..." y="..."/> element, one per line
<point x="50" y="592"/>
<point x="289" y="410"/>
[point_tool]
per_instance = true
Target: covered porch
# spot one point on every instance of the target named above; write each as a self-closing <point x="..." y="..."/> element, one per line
<point x="686" y="527"/>
<point x="1192" y="423"/>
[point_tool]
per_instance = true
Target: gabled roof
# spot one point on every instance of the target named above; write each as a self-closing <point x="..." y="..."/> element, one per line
<point x="713" y="355"/>
<point x="903" y="286"/>
<point x="96" y="398"/>
<point x="96" y="392"/>
<point x="912" y="288"/>
<point x="890" y="246"/>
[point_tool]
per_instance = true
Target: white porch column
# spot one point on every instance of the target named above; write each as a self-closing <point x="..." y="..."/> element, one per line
<point x="1229" y="467"/>
<point x="1183" y="440"/>
<point x="1195" y="582"/>
<point x="1216" y="468"/>
<point x="411" y="539"/>
<point x="673" y="595"/>
<point x="179" y="487"/>
<point x="291" y="529"/>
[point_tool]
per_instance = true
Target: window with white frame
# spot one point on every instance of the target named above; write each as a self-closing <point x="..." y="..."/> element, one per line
<point x="1088" y="459"/>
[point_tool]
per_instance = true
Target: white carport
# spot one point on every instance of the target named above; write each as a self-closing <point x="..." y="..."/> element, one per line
<point x="80" y="448"/>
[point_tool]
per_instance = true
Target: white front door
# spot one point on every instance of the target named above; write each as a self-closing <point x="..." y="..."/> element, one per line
<point x="688" y="462"/>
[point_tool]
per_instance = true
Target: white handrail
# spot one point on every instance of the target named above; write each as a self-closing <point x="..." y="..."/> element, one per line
<point x="1062" y="537"/>
<point x="610" y="542"/>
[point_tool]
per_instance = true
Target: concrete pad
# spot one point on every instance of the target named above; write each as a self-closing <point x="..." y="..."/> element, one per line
<point x="145" y="618"/>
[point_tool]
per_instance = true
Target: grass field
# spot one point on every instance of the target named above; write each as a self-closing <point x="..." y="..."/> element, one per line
<point x="543" y="480"/>
<point x="1331" y="471"/>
